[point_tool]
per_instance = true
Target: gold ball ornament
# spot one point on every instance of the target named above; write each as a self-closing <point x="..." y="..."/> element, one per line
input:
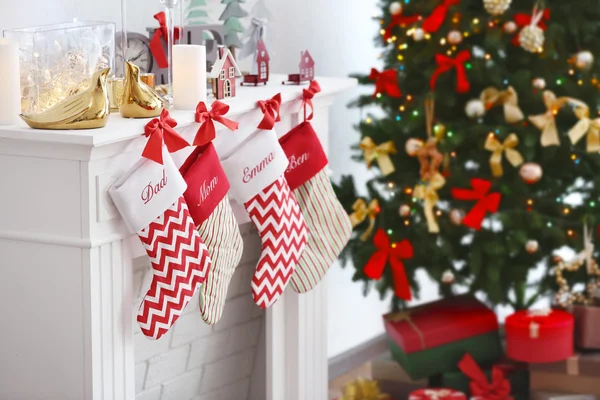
<point x="404" y="210"/>
<point x="531" y="39"/>
<point x="532" y="246"/>
<point x="412" y="146"/>
<point x="539" y="83"/>
<point x="440" y="131"/>
<point x="395" y="8"/>
<point x="496" y="7"/>
<point x="475" y="109"/>
<point x="456" y="216"/>
<point x="418" y="34"/>
<point x="454" y="37"/>
<point x="531" y="172"/>
<point x="584" y="60"/>
<point x="448" y="277"/>
<point x="510" y="27"/>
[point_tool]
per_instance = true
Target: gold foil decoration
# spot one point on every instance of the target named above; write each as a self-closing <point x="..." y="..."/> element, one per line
<point x="361" y="212"/>
<point x="585" y="126"/>
<point x="115" y="92"/>
<point x="498" y="149"/>
<point x="546" y="122"/>
<point x="405" y="316"/>
<point x="380" y="153"/>
<point x="508" y="99"/>
<point x="363" y="389"/>
<point x="139" y="100"/>
<point x="88" y="109"/>
<point x="149" y="79"/>
<point x="428" y="193"/>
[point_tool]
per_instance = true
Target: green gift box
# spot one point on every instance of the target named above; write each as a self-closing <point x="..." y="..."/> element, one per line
<point x="431" y="339"/>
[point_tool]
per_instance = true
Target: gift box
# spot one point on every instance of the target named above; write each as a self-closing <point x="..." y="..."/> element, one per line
<point x="393" y="379"/>
<point x="432" y="338"/>
<point x="577" y="374"/>
<point x="587" y="326"/>
<point x="363" y="389"/>
<point x="539" y="336"/>
<point x="437" y="394"/>
<point x="540" y="395"/>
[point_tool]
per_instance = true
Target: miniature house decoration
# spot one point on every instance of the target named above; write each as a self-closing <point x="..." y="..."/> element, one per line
<point x="262" y="66"/>
<point x="306" y="68"/>
<point x="223" y="74"/>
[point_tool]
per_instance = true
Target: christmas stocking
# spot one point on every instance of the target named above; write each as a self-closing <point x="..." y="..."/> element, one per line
<point x="150" y="200"/>
<point x="329" y="227"/>
<point x="255" y="171"/>
<point x="207" y="199"/>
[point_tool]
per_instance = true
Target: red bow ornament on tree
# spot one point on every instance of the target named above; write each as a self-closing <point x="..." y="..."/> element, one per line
<point x="270" y="109"/>
<point x="434" y="22"/>
<point x="159" y="131"/>
<point x="307" y="96"/>
<point x="445" y="64"/>
<point x="486" y="202"/>
<point x="522" y="20"/>
<point x="399" y="20"/>
<point x="498" y="389"/>
<point x="156" y="46"/>
<point x="385" y="82"/>
<point x="395" y="252"/>
<point x="207" y="132"/>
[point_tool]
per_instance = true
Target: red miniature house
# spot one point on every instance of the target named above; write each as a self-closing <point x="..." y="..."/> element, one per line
<point x="262" y="66"/>
<point x="223" y="74"/>
<point x="306" y="69"/>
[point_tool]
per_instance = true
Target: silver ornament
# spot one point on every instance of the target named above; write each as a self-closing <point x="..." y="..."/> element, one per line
<point x="395" y="8"/>
<point x="531" y="39"/>
<point x="496" y="7"/>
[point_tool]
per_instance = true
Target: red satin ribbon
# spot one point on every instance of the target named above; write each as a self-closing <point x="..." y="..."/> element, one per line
<point x="486" y="202"/>
<point x="385" y="82"/>
<point x="399" y="20"/>
<point x="395" y="252"/>
<point x="270" y="109"/>
<point x="156" y="46"/>
<point x="434" y="22"/>
<point x="522" y="20"/>
<point x="445" y="64"/>
<point x="498" y="389"/>
<point x="159" y="131"/>
<point x="207" y="132"/>
<point x="307" y="96"/>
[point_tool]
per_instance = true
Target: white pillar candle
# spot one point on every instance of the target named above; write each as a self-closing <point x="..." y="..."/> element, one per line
<point x="10" y="83"/>
<point x="189" y="76"/>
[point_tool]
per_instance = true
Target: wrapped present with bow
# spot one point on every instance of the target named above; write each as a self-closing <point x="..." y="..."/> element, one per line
<point x="437" y="394"/>
<point x="496" y="388"/>
<point x="432" y="338"/>
<point x="362" y="389"/>
<point x="579" y="373"/>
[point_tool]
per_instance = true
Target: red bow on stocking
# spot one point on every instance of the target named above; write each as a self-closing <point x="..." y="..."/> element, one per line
<point x="156" y="46"/>
<point x="207" y="132"/>
<point x="522" y="19"/>
<point x="399" y="20"/>
<point x="270" y="109"/>
<point x="486" y="202"/>
<point x="307" y="96"/>
<point x="385" y="82"/>
<point x="434" y="22"/>
<point x="159" y="131"/>
<point x="498" y="389"/>
<point x="395" y="252"/>
<point x="445" y="64"/>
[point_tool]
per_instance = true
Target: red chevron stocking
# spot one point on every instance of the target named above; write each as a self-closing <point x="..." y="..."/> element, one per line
<point x="150" y="200"/>
<point x="255" y="171"/>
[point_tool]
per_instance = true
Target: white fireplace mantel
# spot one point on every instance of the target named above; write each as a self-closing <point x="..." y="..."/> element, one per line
<point x="66" y="260"/>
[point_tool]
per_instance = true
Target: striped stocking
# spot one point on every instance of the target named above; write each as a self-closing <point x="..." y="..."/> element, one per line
<point x="209" y="205"/>
<point x="256" y="172"/>
<point x="328" y="224"/>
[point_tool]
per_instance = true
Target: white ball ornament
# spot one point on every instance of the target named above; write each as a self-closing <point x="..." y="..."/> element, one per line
<point x="448" y="277"/>
<point x="404" y="210"/>
<point x="475" y="109"/>
<point x="395" y="8"/>
<point x="496" y="7"/>
<point x="531" y="39"/>
<point x="510" y="27"/>
<point x="531" y="172"/>
<point x="454" y="37"/>
<point x="584" y="60"/>
<point x="412" y="146"/>
<point x="532" y="246"/>
<point x="539" y="83"/>
<point x="418" y="34"/>
<point x="457" y="216"/>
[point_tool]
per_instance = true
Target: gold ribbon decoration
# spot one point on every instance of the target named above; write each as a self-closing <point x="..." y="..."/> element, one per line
<point x="362" y="389"/>
<point x="508" y="99"/>
<point x="498" y="149"/>
<point x="405" y="316"/>
<point x="361" y="212"/>
<point x="546" y="122"/>
<point x="381" y="153"/>
<point x="428" y="193"/>
<point x="585" y="126"/>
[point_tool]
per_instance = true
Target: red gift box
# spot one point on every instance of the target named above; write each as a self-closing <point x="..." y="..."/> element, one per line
<point x="540" y="336"/>
<point x="437" y="394"/>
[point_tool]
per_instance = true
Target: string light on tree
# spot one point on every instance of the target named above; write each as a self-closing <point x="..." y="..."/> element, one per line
<point x="496" y="7"/>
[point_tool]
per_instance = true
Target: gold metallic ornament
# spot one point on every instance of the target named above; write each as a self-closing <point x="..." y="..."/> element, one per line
<point x="496" y="7"/>
<point x="531" y="172"/>
<point x="362" y="389"/>
<point x="380" y="153"/>
<point x="88" y="109"/>
<point x="508" y="99"/>
<point x="149" y="79"/>
<point x="139" y="100"/>
<point x="499" y="149"/>
<point x="439" y="131"/>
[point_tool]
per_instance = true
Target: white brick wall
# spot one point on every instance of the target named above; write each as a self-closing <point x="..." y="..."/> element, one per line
<point x="194" y="361"/>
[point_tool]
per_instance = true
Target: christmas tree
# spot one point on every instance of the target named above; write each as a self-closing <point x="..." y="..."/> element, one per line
<point x="233" y="27"/>
<point x="488" y="150"/>
<point x="196" y="14"/>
